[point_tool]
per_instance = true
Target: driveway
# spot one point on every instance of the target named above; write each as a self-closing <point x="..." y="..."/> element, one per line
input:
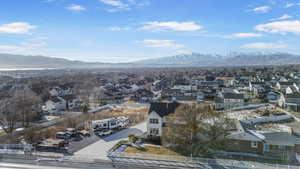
<point x="99" y="149"/>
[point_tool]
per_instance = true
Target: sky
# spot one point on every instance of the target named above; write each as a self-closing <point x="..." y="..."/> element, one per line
<point x="130" y="30"/>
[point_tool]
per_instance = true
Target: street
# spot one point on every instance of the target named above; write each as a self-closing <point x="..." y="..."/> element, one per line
<point x="25" y="164"/>
<point x="28" y="166"/>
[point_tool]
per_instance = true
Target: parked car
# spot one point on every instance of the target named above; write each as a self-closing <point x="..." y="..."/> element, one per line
<point x="103" y="132"/>
<point x="76" y="138"/>
<point x="62" y="135"/>
<point x="84" y="133"/>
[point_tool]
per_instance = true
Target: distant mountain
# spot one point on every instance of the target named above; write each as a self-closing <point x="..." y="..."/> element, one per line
<point x="185" y="60"/>
<point x="28" y="61"/>
<point x="194" y="59"/>
<point x="234" y="59"/>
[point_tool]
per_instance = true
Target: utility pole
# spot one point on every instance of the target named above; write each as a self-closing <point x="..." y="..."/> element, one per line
<point x="191" y="144"/>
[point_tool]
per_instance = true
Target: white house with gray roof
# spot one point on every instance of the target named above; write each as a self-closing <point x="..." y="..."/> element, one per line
<point x="157" y="117"/>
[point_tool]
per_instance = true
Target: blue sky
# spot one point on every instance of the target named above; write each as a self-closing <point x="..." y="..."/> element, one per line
<point x="129" y="30"/>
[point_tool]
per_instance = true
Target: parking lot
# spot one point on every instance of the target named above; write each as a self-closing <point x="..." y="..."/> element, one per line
<point x="101" y="146"/>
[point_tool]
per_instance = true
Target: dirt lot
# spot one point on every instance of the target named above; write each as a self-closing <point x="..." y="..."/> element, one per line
<point x="136" y="115"/>
<point x="149" y="149"/>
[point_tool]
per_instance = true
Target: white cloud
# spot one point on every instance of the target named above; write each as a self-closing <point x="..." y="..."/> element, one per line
<point x="184" y="51"/>
<point x="48" y="1"/>
<point x="167" y="44"/>
<point x="290" y="4"/>
<point x="245" y="35"/>
<point x="263" y="45"/>
<point x="118" y="5"/>
<point x="16" y="28"/>
<point x="283" y="17"/>
<point x="171" y="26"/>
<point x="9" y="48"/>
<point x="115" y="3"/>
<point x="40" y="38"/>
<point x="27" y="46"/>
<point x="24" y="47"/>
<point x="262" y="9"/>
<point x="139" y="3"/>
<point x="281" y="27"/>
<point x="31" y="45"/>
<point x="117" y="28"/>
<point x="74" y="7"/>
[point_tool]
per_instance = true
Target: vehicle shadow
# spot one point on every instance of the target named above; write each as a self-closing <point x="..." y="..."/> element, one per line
<point x="123" y="134"/>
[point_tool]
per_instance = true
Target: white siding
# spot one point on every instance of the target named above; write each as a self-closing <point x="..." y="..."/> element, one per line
<point x="154" y="115"/>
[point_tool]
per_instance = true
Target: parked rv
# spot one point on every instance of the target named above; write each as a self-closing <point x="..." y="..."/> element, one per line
<point x="111" y="123"/>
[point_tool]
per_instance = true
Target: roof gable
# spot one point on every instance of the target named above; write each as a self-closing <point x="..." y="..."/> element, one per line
<point x="163" y="109"/>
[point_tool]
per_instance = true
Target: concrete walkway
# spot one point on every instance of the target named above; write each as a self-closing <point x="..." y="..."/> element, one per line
<point x="99" y="149"/>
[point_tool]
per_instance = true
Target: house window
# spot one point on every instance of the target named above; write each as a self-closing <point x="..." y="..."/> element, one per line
<point x="154" y="121"/>
<point x="154" y="131"/>
<point x="254" y="144"/>
<point x="266" y="148"/>
<point x="281" y="147"/>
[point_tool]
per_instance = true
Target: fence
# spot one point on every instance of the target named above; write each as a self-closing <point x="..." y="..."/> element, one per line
<point x="15" y="148"/>
<point x="158" y="161"/>
<point x="194" y="162"/>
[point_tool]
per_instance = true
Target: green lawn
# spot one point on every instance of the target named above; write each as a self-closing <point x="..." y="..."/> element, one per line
<point x="2" y="132"/>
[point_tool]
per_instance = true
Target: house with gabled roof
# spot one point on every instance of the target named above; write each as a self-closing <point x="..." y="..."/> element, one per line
<point x="54" y="105"/>
<point x="284" y="85"/>
<point x="270" y="144"/>
<point x="227" y="101"/>
<point x="280" y="144"/>
<point x="276" y="98"/>
<point x="157" y="117"/>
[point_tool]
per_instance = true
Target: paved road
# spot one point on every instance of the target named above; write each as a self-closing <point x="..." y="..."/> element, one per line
<point x="28" y="166"/>
<point x="100" y="148"/>
<point x="19" y="164"/>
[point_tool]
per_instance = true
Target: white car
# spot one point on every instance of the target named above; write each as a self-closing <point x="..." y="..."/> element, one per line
<point x="50" y="160"/>
<point x="104" y="132"/>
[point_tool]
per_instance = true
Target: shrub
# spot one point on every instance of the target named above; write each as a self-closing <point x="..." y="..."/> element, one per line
<point x="133" y="138"/>
<point x="120" y="143"/>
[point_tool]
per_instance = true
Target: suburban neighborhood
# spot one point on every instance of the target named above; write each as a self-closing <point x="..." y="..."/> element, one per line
<point x="244" y="114"/>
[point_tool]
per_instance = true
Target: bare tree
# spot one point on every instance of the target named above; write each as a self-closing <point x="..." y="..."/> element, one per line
<point x="85" y="91"/>
<point x="8" y="116"/>
<point x="33" y="136"/>
<point x="27" y="103"/>
<point x="196" y="129"/>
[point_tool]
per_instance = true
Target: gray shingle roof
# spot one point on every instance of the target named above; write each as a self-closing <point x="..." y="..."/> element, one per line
<point x="163" y="109"/>
<point x="281" y="138"/>
<point x="233" y="96"/>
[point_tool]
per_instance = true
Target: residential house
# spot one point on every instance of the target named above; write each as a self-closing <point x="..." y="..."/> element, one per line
<point x="227" y="101"/>
<point x="283" y="85"/>
<point x="276" y="145"/>
<point x="226" y="81"/>
<point x="183" y="87"/>
<point x="293" y="101"/>
<point x="171" y="93"/>
<point x="60" y="91"/>
<point x="157" y="117"/>
<point x="281" y="144"/>
<point x="143" y="95"/>
<point x="54" y="105"/>
<point x="276" y="98"/>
